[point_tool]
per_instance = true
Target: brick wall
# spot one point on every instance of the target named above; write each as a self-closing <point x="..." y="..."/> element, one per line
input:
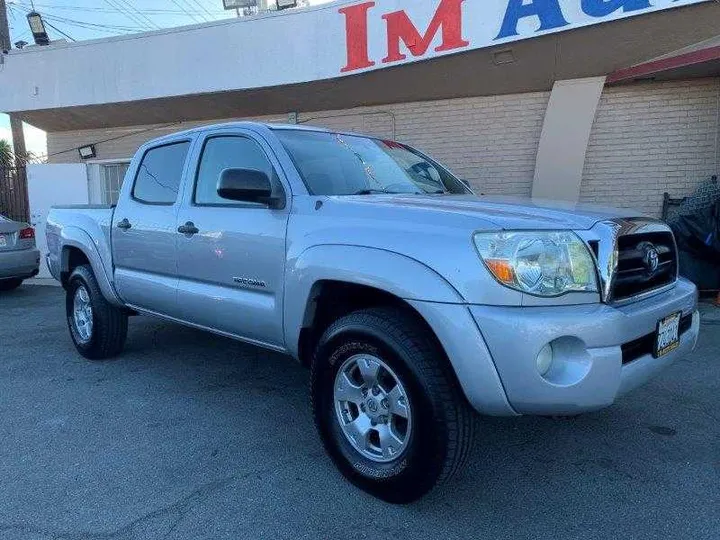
<point x="489" y="141"/>
<point x="647" y="139"/>
<point x="651" y="138"/>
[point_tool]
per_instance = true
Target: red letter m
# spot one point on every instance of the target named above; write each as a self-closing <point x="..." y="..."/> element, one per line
<point x="399" y="28"/>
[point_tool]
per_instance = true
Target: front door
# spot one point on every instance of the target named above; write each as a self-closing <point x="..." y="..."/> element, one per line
<point x="144" y="236"/>
<point x="231" y="259"/>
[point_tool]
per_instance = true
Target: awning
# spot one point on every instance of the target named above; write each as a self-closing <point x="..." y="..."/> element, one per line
<point x="698" y="60"/>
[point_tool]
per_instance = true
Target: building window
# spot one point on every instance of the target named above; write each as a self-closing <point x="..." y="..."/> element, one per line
<point x="112" y="176"/>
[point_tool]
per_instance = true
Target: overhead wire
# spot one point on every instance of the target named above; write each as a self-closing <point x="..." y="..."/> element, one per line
<point x="88" y="25"/>
<point x="123" y="136"/>
<point x="128" y="14"/>
<point x="60" y="31"/>
<point x="201" y="6"/>
<point x="139" y="18"/>
<point x="184" y="9"/>
<point x="152" y="11"/>
<point x="136" y="12"/>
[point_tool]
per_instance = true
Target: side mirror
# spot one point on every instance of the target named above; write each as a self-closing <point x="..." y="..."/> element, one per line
<point x="248" y="185"/>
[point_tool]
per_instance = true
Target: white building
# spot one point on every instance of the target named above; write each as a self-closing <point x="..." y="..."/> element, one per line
<point x="611" y="101"/>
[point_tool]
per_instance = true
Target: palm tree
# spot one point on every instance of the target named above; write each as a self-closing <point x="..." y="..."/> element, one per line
<point x="6" y="154"/>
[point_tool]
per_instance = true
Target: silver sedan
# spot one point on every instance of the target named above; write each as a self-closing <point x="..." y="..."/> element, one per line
<point x="19" y="257"/>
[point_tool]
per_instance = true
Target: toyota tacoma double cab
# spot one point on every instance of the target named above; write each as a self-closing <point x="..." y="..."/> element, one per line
<point x="415" y="303"/>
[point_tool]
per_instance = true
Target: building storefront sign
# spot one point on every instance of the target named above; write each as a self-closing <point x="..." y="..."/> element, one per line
<point x="346" y="38"/>
<point x="455" y="25"/>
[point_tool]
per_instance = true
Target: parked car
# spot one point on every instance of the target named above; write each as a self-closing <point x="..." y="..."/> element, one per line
<point x="19" y="258"/>
<point x="415" y="303"/>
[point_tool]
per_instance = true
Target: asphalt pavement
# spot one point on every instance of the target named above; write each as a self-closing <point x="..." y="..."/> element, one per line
<point x="189" y="435"/>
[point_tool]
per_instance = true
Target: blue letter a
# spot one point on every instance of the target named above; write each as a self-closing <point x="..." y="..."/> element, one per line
<point x="548" y="11"/>
<point x="601" y="8"/>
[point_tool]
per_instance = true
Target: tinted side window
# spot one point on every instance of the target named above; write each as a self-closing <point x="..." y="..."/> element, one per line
<point x="231" y="152"/>
<point x="158" y="178"/>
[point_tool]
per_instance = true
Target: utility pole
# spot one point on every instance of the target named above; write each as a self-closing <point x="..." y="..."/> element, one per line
<point x="16" y="127"/>
<point x="4" y="30"/>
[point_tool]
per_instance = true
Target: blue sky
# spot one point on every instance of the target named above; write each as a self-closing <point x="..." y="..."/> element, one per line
<point x="90" y="19"/>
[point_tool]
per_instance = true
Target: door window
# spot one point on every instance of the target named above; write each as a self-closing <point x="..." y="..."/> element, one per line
<point x="231" y="152"/>
<point x="158" y="178"/>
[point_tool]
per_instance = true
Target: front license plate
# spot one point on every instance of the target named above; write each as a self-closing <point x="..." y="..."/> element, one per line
<point x="3" y="240"/>
<point x="668" y="335"/>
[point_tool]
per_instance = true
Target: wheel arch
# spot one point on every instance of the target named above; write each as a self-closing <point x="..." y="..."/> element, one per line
<point x="327" y="282"/>
<point x="77" y="248"/>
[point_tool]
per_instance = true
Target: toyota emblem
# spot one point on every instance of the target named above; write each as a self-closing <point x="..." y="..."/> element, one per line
<point x="651" y="259"/>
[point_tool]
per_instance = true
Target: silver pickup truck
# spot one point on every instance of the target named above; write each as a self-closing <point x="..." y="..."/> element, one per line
<point x="413" y="302"/>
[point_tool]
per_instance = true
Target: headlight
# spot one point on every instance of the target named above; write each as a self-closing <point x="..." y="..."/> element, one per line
<point x="539" y="263"/>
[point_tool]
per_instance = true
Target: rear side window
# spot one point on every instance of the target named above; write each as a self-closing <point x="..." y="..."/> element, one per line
<point x="158" y="178"/>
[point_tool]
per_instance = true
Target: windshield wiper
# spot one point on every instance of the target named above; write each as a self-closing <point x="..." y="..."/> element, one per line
<point x="375" y="191"/>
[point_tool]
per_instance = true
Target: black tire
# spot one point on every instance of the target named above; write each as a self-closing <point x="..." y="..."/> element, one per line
<point x="10" y="284"/>
<point x="442" y="420"/>
<point x="110" y="323"/>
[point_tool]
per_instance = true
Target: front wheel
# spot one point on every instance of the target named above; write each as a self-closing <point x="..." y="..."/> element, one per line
<point x="98" y="329"/>
<point x="388" y="408"/>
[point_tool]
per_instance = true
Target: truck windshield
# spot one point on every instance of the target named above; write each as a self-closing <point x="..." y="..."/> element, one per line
<point x="338" y="164"/>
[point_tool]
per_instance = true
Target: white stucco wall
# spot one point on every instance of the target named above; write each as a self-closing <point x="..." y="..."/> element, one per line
<point x="52" y="185"/>
<point x="289" y="47"/>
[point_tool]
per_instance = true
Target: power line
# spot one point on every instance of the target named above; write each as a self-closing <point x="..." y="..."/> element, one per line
<point x="200" y="14"/>
<point x="140" y="19"/>
<point x="201" y="6"/>
<point x="186" y="11"/>
<point x="89" y="25"/>
<point x="120" y="9"/>
<point x="103" y="28"/>
<point x="152" y="11"/>
<point x="60" y="31"/>
<point x="136" y="12"/>
<point x="108" y="28"/>
<point x="74" y="149"/>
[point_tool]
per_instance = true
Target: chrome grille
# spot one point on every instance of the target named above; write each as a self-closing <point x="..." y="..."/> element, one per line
<point x="646" y="261"/>
<point x="635" y="257"/>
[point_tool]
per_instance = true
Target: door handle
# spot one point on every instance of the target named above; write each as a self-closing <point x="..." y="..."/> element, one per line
<point x="189" y="229"/>
<point x="124" y="225"/>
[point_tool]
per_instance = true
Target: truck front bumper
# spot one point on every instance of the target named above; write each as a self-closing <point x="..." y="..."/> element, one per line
<point x="21" y="264"/>
<point x="600" y="351"/>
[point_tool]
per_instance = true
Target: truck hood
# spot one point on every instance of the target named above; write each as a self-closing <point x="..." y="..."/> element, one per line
<point x="505" y="212"/>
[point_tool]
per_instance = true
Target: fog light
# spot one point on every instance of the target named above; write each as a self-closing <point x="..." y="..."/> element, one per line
<point x="545" y="359"/>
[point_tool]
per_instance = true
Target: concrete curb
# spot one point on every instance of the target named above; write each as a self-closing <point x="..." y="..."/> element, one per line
<point x="47" y="282"/>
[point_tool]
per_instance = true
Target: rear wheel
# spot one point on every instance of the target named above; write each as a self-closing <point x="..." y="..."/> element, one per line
<point x="98" y="329"/>
<point x="10" y="284"/>
<point x="387" y="405"/>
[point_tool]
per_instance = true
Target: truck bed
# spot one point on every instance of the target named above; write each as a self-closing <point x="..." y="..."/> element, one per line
<point x="88" y="221"/>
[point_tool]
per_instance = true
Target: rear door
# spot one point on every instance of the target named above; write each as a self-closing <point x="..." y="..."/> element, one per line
<point x="231" y="270"/>
<point x="144" y="239"/>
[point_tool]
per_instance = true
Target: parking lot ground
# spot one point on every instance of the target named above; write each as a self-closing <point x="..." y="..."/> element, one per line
<point x="189" y="435"/>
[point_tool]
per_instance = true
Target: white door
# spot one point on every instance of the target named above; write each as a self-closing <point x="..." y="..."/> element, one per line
<point x="52" y="185"/>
